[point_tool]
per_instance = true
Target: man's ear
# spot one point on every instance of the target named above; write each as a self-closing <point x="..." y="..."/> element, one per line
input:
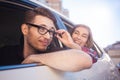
<point x="24" y="29"/>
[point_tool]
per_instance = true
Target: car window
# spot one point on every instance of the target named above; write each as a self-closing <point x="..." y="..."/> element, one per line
<point x="95" y="47"/>
<point x="98" y="50"/>
<point x="11" y="19"/>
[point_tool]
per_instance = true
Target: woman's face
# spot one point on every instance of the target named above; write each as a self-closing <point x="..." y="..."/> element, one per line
<point x="80" y="36"/>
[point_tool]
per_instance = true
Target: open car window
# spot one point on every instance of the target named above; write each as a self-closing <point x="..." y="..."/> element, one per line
<point x="95" y="47"/>
<point x="12" y="16"/>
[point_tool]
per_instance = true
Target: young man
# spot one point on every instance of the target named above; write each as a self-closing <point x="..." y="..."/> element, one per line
<point x="38" y="30"/>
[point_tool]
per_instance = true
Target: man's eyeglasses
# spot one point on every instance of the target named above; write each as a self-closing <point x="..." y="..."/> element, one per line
<point x="42" y="30"/>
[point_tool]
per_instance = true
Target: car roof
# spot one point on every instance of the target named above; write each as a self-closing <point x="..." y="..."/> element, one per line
<point x="30" y="4"/>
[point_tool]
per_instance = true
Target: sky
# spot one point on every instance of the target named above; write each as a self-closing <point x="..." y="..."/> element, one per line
<point x="102" y="16"/>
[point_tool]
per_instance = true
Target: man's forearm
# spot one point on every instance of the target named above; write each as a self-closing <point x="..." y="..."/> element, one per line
<point x="65" y="60"/>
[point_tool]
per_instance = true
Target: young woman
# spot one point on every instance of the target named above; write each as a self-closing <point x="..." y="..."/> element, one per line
<point x="81" y="38"/>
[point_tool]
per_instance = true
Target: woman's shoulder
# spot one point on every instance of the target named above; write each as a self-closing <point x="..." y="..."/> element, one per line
<point x="91" y="52"/>
<point x="88" y="50"/>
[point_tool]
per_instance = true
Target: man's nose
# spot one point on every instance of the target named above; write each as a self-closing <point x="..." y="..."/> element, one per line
<point x="47" y="35"/>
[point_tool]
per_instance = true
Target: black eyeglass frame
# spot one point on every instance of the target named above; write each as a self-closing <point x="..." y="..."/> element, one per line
<point x="38" y="26"/>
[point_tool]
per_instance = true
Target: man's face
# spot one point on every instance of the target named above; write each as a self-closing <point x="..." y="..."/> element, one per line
<point x="34" y="38"/>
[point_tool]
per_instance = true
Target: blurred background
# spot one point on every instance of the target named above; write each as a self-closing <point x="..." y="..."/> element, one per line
<point x="102" y="16"/>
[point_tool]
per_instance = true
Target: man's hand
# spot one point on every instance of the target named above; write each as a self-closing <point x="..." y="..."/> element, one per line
<point x="65" y="37"/>
<point x="32" y="59"/>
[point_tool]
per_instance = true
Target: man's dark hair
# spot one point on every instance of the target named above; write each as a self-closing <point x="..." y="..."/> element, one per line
<point x="30" y="14"/>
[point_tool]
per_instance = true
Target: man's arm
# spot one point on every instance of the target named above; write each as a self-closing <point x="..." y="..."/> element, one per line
<point x="65" y="60"/>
